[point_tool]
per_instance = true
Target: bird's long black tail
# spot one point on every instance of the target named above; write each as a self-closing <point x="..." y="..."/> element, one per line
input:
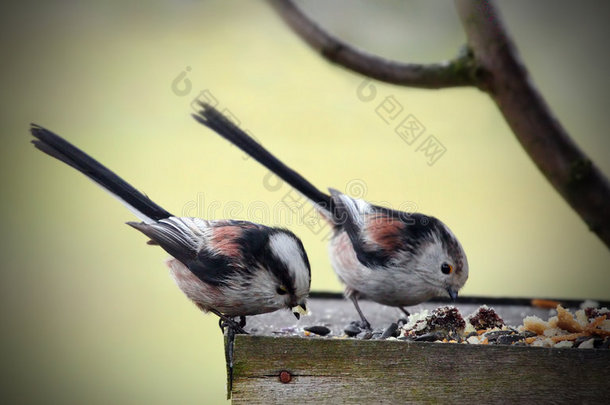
<point x="57" y="147"/>
<point x="215" y="120"/>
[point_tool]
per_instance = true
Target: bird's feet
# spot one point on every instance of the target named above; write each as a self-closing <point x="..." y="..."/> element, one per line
<point x="230" y="323"/>
<point x="363" y="324"/>
<point x="234" y="326"/>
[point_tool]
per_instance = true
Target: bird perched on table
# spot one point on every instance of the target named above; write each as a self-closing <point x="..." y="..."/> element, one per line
<point x="227" y="267"/>
<point x="391" y="257"/>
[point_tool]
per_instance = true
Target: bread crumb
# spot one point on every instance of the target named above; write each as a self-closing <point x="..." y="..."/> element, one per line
<point x="589" y="304"/>
<point x="566" y="321"/>
<point x="535" y="324"/>
<point x="468" y="329"/>
<point x="549" y="304"/>
<point x="564" y="344"/>
<point x="543" y="343"/>
<point x="571" y="336"/>
<point x="581" y="317"/>
<point x="593" y="329"/>
<point x="587" y="344"/>
<point x="552" y="332"/>
<point x="596" y="322"/>
<point x="417" y="322"/>
<point x="473" y="340"/>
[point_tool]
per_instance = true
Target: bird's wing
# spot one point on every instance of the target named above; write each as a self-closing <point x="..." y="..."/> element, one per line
<point x="212" y="250"/>
<point x="375" y="233"/>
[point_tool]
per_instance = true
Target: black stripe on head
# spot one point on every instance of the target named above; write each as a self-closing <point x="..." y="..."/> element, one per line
<point x="257" y="253"/>
<point x="253" y="241"/>
<point x="261" y="253"/>
<point x="286" y="276"/>
<point x="451" y="246"/>
<point x="420" y="230"/>
<point x="278" y="267"/>
<point x="303" y="254"/>
<point x="425" y="229"/>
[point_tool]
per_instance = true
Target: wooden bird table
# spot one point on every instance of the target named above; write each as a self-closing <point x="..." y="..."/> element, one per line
<point x="280" y="363"/>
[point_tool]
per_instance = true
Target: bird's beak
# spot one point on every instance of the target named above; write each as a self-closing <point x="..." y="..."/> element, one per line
<point x="299" y="310"/>
<point x="452" y="293"/>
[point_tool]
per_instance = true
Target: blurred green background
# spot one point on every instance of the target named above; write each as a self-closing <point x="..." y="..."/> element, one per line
<point x="89" y="314"/>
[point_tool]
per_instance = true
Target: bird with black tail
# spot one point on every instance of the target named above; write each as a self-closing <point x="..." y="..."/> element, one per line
<point x="391" y="257"/>
<point x="230" y="268"/>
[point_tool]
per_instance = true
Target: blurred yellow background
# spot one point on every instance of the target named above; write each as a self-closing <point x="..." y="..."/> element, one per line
<point x="89" y="314"/>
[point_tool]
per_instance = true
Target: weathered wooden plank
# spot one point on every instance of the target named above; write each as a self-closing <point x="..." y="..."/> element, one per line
<point x="349" y="370"/>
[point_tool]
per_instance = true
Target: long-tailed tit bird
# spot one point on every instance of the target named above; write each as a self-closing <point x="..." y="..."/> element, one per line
<point x="227" y="267"/>
<point x="391" y="257"/>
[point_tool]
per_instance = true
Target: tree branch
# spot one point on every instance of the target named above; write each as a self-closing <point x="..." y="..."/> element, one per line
<point x="493" y="65"/>
<point x="505" y="78"/>
<point x="456" y="72"/>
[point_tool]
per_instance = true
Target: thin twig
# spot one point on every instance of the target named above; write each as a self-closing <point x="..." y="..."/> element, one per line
<point x="456" y="72"/>
<point x="492" y="64"/>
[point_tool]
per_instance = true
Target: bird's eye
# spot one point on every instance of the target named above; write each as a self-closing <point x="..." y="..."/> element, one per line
<point x="281" y="290"/>
<point x="446" y="268"/>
